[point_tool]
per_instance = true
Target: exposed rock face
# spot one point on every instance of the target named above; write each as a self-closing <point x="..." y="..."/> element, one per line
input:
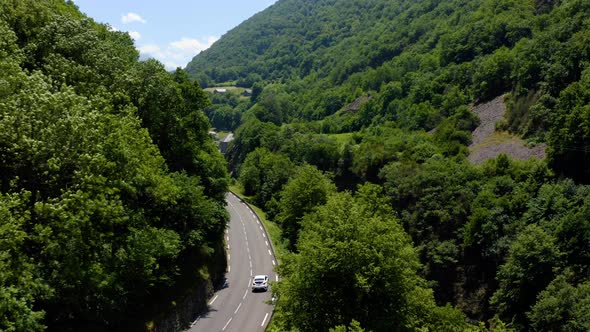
<point x="481" y="149"/>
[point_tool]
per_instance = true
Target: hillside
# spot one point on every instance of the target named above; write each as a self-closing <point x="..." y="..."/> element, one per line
<point x="419" y="60"/>
<point x="362" y="110"/>
<point x="488" y="144"/>
<point x="111" y="191"/>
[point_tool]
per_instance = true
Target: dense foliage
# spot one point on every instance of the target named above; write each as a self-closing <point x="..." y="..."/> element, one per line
<point x="416" y="62"/>
<point x="355" y="262"/>
<point x="378" y="91"/>
<point x="111" y="192"/>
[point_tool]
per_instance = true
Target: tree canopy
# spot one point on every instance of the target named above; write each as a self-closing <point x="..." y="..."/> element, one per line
<point x="108" y="178"/>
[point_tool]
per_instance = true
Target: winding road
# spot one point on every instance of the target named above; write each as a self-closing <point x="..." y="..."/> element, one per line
<point x="249" y="252"/>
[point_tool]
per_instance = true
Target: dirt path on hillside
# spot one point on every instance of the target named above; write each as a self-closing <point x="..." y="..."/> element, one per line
<point x="488" y="144"/>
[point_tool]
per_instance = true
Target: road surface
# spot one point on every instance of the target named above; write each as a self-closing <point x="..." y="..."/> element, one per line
<point x="236" y="307"/>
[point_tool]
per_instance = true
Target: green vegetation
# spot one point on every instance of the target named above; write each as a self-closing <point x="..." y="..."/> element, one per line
<point x="353" y="142"/>
<point x="111" y="191"/>
<point x="372" y="98"/>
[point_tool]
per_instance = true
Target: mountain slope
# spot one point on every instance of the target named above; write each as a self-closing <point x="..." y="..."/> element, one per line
<point x="420" y="61"/>
<point x="294" y="37"/>
<point x="498" y="239"/>
<point x="112" y="193"/>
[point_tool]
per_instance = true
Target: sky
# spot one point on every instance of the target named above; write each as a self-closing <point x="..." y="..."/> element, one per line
<point x="172" y="31"/>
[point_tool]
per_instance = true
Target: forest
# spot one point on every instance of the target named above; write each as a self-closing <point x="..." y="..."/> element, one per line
<point x="355" y="143"/>
<point x="112" y="193"/>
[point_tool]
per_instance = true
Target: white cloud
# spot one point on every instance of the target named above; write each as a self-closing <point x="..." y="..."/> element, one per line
<point x="150" y="49"/>
<point x="135" y="35"/>
<point x="132" y="17"/>
<point x="178" y="53"/>
<point x="193" y="45"/>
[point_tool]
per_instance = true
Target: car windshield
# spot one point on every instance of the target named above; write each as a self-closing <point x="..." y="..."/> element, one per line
<point x="259" y="279"/>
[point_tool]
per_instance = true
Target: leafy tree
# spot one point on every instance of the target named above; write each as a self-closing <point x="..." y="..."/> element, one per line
<point x="252" y="134"/>
<point x="307" y="189"/>
<point x="21" y="284"/>
<point x="529" y="268"/>
<point x="353" y="327"/>
<point x="354" y="264"/>
<point x="562" y="306"/>
<point x="264" y="173"/>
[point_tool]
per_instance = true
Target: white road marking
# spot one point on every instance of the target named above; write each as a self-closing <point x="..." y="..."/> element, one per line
<point x="264" y="320"/>
<point x="263" y="235"/>
<point x="273" y="262"/>
<point x="277" y="277"/>
<point x="250" y="264"/>
<point x="215" y="298"/>
<point x="270" y="253"/>
<point x="266" y="243"/>
<point x="258" y="222"/>
<point x="261" y="228"/>
<point x="238" y="308"/>
<point x="246" y="293"/>
<point x="226" y="324"/>
<point x="228" y="269"/>
<point x="228" y="257"/>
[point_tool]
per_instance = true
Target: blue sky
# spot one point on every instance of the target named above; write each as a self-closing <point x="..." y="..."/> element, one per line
<point x="172" y="31"/>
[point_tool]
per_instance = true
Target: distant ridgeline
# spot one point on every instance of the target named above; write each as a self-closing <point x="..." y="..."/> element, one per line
<point x="362" y="110"/>
<point x="111" y="190"/>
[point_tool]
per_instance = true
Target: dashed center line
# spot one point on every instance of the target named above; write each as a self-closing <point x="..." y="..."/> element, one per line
<point x="269" y="247"/>
<point x="226" y="324"/>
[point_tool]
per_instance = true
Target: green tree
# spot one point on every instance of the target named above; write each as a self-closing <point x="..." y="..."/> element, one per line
<point x="353" y="264"/>
<point x="562" y="306"/>
<point x="529" y="268"/>
<point x="307" y="189"/>
<point x="264" y="173"/>
<point x="21" y="286"/>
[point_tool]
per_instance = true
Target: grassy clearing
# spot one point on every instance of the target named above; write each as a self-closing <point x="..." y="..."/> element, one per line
<point x="230" y="89"/>
<point x="497" y="138"/>
<point x="273" y="230"/>
<point x="341" y="138"/>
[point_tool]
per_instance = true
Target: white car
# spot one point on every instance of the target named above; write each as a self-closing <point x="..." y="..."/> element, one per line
<point x="260" y="282"/>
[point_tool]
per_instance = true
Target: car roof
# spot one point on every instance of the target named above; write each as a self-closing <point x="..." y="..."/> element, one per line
<point x="260" y="276"/>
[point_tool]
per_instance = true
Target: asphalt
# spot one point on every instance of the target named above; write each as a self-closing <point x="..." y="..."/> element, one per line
<point x="236" y="307"/>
